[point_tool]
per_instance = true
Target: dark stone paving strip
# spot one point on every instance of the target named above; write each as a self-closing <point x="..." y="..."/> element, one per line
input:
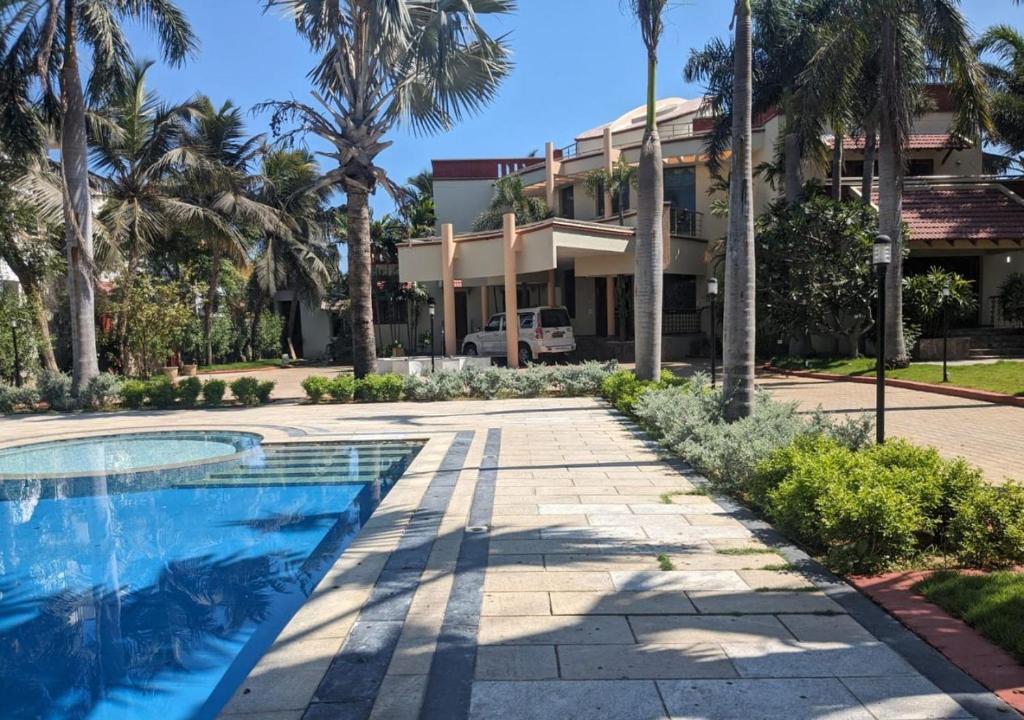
<point x="349" y="687"/>
<point x="451" y="672"/>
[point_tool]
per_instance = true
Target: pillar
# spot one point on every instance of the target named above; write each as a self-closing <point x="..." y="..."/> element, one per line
<point x="485" y="310"/>
<point x="551" y="287"/>
<point x="549" y="174"/>
<point x="511" y="302"/>
<point x="448" y="288"/>
<point x="609" y="163"/>
<point x="609" y="300"/>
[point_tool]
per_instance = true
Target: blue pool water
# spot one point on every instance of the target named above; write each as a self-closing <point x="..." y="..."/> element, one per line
<point x="152" y="594"/>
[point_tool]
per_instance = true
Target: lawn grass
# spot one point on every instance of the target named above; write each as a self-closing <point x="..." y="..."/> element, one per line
<point x="1005" y="377"/>
<point x="993" y="604"/>
<point x="239" y="366"/>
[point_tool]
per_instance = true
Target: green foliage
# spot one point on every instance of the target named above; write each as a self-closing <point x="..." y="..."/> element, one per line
<point x="341" y="388"/>
<point x="264" y="390"/>
<point x="1011" y="297"/>
<point x="189" y="390"/>
<point x="133" y="393"/>
<point x="509" y="197"/>
<point x="103" y="391"/>
<point x="12" y="398"/>
<point x="490" y="383"/>
<point x="622" y="388"/>
<point x="442" y="385"/>
<point x="213" y="392"/>
<point x="13" y="308"/>
<point x="244" y="389"/>
<point x="988" y="527"/>
<point x="55" y="390"/>
<point x="923" y="300"/>
<point x="531" y="382"/>
<point x="157" y="319"/>
<point x="380" y="388"/>
<point x="269" y="331"/>
<point x="582" y="379"/>
<point x="316" y="386"/>
<point x="161" y="392"/>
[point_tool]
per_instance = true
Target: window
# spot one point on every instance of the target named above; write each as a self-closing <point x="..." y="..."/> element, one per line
<point x="494" y="324"/>
<point x="567" y="201"/>
<point x="554" y="318"/>
<point x="679" y="293"/>
<point x="525" y="321"/>
<point x="600" y="201"/>
<point x="681" y="188"/>
<point x="620" y="198"/>
<point x="920" y="166"/>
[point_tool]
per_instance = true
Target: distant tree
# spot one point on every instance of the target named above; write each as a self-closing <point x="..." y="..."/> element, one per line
<point x="1006" y="80"/>
<point x="509" y="197"/>
<point x="616" y="183"/>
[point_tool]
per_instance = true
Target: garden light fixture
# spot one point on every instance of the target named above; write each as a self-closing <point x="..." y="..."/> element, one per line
<point x="432" y="309"/>
<point x="881" y="257"/>
<point x="712" y="296"/>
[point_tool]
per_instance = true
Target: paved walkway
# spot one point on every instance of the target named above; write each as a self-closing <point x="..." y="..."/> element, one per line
<point x="990" y="436"/>
<point x="541" y="561"/>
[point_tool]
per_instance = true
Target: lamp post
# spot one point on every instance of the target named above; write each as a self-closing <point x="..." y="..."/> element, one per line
<point x="432" y="308"/>
<point x="712" y="296"/>
<point x="946" y="292"/>
<point x="17" y="357"/>
<point x="881" y="256"/>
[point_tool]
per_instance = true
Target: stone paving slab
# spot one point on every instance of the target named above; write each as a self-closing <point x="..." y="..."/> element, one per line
<point x="803" y="699"/>
<point x="620" y="603"/>
<point x="567" y="700"/>
<point x="905" y="698"/>
<point x="641" y="662"/>
<point x="516" y="662"/>
<point x="680" y="629"/>
<point x="821" y="659"/>
<point x="554" y="630"/>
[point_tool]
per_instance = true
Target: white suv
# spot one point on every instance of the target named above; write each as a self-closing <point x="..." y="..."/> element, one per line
<point x="542" y="331"/>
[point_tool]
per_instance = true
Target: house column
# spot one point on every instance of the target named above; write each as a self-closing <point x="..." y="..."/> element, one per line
<point x="609" y="302"/>
<point x="511" y="302"/>
<point x="448" y="287"/>
<point x="609" y="163"/>
<point x="549" y="174"/>
<point x="485" y="311"/>
<point x="551" y="287"/>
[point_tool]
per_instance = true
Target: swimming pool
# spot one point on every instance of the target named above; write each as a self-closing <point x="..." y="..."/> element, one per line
<point x="152" y="593"/>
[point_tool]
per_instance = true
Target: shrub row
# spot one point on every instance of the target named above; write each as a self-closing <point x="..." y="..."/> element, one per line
<point x="107" y="391"/>
<point x="864" y="508"/>
<point x="487" y="383"/>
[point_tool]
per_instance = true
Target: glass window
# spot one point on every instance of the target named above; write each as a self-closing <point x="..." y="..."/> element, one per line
<point x="525" y="321"/>
<point x="679" y="293"/>
<point x="554" y="318"/>
<point x="599" y="197"/>
<point x="567" y="201"/>
<point x="620" y="198"/>
<point x="681" y="188"/>
<point x="494" y="324"/>
<point x="920" y="166"/>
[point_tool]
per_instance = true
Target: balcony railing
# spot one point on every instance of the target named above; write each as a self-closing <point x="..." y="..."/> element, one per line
<point x="673" y="131"/>
<point x="689" y="223"/>
<point x="569" y="151"/>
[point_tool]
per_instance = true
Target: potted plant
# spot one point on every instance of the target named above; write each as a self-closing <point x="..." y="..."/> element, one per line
<point x="171" y="367"/>
<point x="397" y="350"/>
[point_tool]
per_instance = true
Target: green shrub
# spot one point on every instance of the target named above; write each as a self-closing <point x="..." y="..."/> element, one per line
<point x="441" y="385"/>
<point x="244" y="389"/>
<point x="490" y="383"/>
<point x="161" y="392"/>
<point x="988" y="527"/>
<point x="102" y="391"/>
<point x="133" y="393"/>
<point x="55" y="390"/>
<point x="189" y="390"/>
<point x="531" y="382"/>
<point x="341" y="388"/>
<point x="213" y="392"/>
<point x="264" y="390"/>
<point x="12" y="398"/>
<point x="316" y="386"/>
<point x="582" y="379"/>
<point x="380" y="388"/>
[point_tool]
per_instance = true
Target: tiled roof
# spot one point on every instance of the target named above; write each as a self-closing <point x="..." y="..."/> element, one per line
<point x="970" y="212"/>
<point x="917" y="141"/>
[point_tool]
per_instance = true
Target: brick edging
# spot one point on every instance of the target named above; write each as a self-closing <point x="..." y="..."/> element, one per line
<point x="961" y="644"/>
<point x="966" y="393"/>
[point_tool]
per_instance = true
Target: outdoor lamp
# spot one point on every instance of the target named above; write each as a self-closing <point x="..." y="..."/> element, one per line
<point x="881" y="251"/>
<point x="712" y="294"/>
<point x="17" y="357"/>
<point x="712" y="286"/>
<point x="432" y="308"/>
<point x="946" y="292"/>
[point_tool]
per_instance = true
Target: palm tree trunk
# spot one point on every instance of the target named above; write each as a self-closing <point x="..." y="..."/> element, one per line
<point x="867" y="180"/>
<point x="77" y="211"/>
<point x="35" y="301"/>
<point x="890" y="198"/>
<point x="647" y="286"/>
<point x="364" y="350"/>
<point x="211" y="302"/>
<point x="794" y="183"/>
<point x="739" y="325"/>
<point x="293" y="310"/>
<point x="837" y="165"/>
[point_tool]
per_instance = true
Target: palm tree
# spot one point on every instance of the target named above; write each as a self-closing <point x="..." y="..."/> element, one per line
<point x="137" y="152"/>
<point x="739" y="328"/>
<point x="648" y="255"/>
<point x="53" y="33"/>
<point x="509" y="197"/>
<point x="1006" y="79"/>
<point x="914" y="41"/>
<point x="616" y="183"/>
<point x="425" y="63"/>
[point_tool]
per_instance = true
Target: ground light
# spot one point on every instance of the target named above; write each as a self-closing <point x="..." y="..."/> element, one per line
<point x="945" y="333"/>
<point x="712" y="296"/>
<point x="881" y="257"/>
<point x="432" y="307"/>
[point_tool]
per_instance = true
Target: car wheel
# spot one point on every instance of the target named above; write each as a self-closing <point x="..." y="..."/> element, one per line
<point x="525" y="356"/>
<point x="470" y="350"/>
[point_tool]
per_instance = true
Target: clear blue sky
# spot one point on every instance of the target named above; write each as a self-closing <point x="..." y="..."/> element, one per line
<point x="579" y="63"/>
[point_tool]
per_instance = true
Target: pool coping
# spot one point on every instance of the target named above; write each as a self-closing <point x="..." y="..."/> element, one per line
<point x="317" y="632"/>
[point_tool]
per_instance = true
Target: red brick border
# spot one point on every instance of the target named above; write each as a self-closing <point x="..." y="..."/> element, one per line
<point x="967" y="393"/>
<point x="962" y="645"/>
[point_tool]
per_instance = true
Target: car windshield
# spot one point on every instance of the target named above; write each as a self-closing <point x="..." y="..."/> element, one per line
<point x="554" y="317"/>
<point x="494" y="324"/>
